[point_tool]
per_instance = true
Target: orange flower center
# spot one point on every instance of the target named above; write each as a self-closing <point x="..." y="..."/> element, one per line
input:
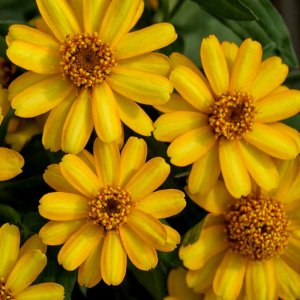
<point x="7" y="71"/>
<point x="111" y="207"/>
<point x="85" y="59"/>
<point x="257" y="227"/>
<point x="4" y="293"/>
<point x="232" y="115"/>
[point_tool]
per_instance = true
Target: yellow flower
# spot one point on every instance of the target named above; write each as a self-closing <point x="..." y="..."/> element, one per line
<point x="228" y="122"/>
<point x="11" y="162"/>
<point x="249" y="248"/>
<point x="89" y="70"/>
<point x="20" y="267"/>
<point x="106" y="208"/>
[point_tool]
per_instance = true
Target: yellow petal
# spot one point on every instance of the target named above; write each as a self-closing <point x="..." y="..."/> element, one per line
<point x="142" y="87"/>
<point x="32" y="57"/>
<point x="117" y="20"/>
<point x="214" y="64"/>
<point x="113" y="259"/>
<point x="292" y="194"/>
<point x="33" y="243"/>
<point x="133" y="157"/>
<point x="61" y="206"/>
<point x="146" y="40"/>
<point x="163" y="203"/>
<point x="107" y="159"/>
<point x="9" y="248"/>
<point x="78" y="125"/>
<point x="105" y="113"/>
<point x="42" y="291"/>
<point x="205" y="172"/>
<point x="230" y="51"/>
<point x="173" y="239"/>
<point x="246" y="66"/>
<point x="229" y="277"/>
<point x="58" y="232"/>
<point x="234" y="169"/>
<point x="37" y="98"/>
<point x="77" y="8"/>
<point x="138" y="14"/>
<point x="278" y="106"/>
<point x="59" y="17"/>
<point x="142" y="255"/>
<point x="79" y="246"/>
<point x="148" y="178"/>
<point x="25" y="271"/>
<point x="189" y="147"/>
<point x="272" y="140"/>
<point x="260" y="280"/>
<point x="11" y="163"/>
<point x="79" y="175"/>
<point x="171" y="125"/>
<point x="134" y="116"/>
<point x="88" y="158"/>
<point x="260" y="166"/>
<point x="192" y="88"/>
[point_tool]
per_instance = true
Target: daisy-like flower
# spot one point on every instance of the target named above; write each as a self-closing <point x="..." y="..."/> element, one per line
<point x="11" y="162"/>
<point x="20" y="267"/>
<point x="105" y="208"/>
<point x="228" y="121"/>
<point x="249" y="248"/>
<point x="88" y="70"/>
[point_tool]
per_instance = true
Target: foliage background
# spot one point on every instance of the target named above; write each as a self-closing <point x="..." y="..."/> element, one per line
<point x="232" y="20"/>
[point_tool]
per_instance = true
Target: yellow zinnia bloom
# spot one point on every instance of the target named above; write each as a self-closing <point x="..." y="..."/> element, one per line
<point x="105" y="208"/>
<point x="11" y="162"/>
<point x="228" y="121"/>
<point x="20" y="267"/>
<point x="249" y="248"/>
<point x="89" y="70"/>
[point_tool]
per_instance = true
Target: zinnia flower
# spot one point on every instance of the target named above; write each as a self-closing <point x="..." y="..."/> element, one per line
<point x="11" y="162"/>
<point x="106" y="208"/>
<point x="20" y="267"/>
<point x="228" y="121"/>
<point x="88" y="70"/>
<point x="249" y="248"/>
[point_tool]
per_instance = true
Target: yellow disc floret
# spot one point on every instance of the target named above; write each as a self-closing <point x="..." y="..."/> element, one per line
<point x="4" y="293"/>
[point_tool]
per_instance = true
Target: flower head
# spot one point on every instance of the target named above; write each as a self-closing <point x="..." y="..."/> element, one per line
<point x="20" y="267"/>
<point x="87" y="68"/>
<point x="227" y="122"/>
<point x="105" y="208"/>
<point x="249" y="247"/>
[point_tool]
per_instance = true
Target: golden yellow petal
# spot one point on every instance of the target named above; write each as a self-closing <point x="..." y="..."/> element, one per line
<point x="230" y="51"/>
<point x="138" y="14"/>
<point x="113" y="259"/>
<point x="173" y="239"/>
<point x="146" y="40"/>
<point x="41" y="25"/>
<point x="77" y="8"/>
<point x="33" y="243"/>
<point x="11" y="163"/>
<point x="214" y="64"/>
<point x="246" y="66"/>
<point x="88" y="158"/>
<point x="293" y="192"/>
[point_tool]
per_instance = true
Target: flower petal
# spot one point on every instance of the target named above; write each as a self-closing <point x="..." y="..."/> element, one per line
<point x="61" y="206"/>
<point x="113" y="259"/>
<point x="246" y="66"/>
<point x="142" y="255"/>
<point x="11" y="163"/>
<point x="173" y="239"/>
<point x="214" y="64"/>
<point x="25" y="271"/>
<point x="174" y="124"/>
<point x="59" y="17"/>
<point x="230" y="51"/>
<point x="79" y="246"/>
<point x="272" y="140"/>
<point x="42" y="291"/>
<point x="143" y="87"/>
<point x="148" y="178"/>
<point x="58" y="232"/>
<point x="229" y="277"/>
<point x="233" y="169"/>
<point x="33" y="243"/>
<point x="146" y="40"/>
<point x="190" y="146"/>
<point x="78" y="125"/>
<point x="105" y="113"/>
<point x="79" y="175"/>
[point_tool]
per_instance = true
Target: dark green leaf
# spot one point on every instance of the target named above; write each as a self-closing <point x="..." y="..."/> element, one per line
<point x="68" y="280"/>
<point x="193" y="234"/>
<point x="8" y="214"/>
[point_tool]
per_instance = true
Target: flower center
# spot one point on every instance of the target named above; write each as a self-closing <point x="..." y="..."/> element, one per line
<point x="232" y="115"/>
<point x="111" y="207"/>
<point x="257" y="227"/>
<point x="85" y="59"/>
<point x="4" y="293"/>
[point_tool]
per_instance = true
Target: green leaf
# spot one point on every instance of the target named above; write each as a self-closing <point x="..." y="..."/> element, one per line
<point x="193" y="234"/>
<point x="68" y="280"/>
<point x="8" y="214"/>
